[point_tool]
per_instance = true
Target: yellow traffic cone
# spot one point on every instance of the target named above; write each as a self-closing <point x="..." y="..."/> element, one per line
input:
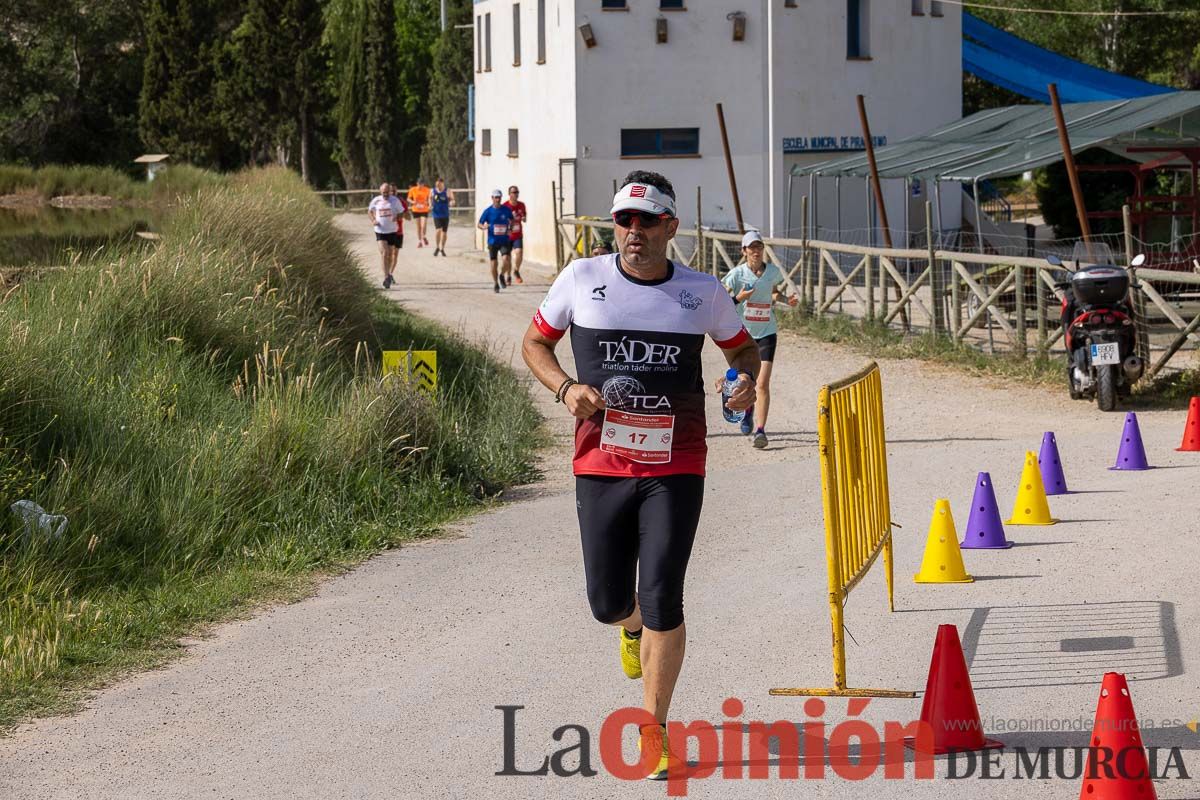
<point x="943" y="560"/>
<point x="1031" y="507"/>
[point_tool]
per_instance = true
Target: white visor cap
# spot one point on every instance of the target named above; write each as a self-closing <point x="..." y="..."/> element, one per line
<point x="751" y="237"/>
<point x="642" y="197"/>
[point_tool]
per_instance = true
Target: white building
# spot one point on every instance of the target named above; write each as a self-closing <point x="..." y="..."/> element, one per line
<point x="580" y="92"/>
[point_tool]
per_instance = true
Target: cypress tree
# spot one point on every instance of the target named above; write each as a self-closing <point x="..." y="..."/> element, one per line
<point x="379" y="129"/>
<point x="447" y="152"/>
<point x="177" y="108"/>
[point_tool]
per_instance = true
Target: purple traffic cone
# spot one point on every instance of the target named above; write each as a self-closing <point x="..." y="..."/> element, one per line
<point x="1051" y="466"/>
<point x="1132" y="455"/>
<point x="984" y="530"/>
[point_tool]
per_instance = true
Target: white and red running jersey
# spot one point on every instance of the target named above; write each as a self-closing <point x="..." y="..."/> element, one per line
<point x="638" y="343"/>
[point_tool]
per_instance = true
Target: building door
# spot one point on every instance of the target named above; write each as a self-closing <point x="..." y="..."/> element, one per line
<point x="566" y="187"/>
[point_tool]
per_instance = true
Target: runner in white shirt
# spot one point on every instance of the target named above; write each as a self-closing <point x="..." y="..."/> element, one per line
<point x="385" y="211"/>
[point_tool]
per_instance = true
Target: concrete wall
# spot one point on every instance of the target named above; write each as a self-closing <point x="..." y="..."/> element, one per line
<point x="789" y="79"/>
<point x="629" y="81"/>
<point x="911" y="83"/>
<point x="536" y="99"/>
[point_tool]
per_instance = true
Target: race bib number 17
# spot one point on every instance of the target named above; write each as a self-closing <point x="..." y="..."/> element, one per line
<point x="644" y="438"/>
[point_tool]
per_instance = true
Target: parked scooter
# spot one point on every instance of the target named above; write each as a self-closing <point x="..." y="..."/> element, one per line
<point x="1100" y="334"/>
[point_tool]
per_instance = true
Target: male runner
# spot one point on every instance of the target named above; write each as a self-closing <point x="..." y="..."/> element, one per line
<point x="755" y="284"/>
<point x="441" y="201"/>
<point x="518" y="230"/>
<point x="638" y="322"/>
<point x="418" y="201"/>
<point x="496" y="220"/>
<point x="384" y="212"/>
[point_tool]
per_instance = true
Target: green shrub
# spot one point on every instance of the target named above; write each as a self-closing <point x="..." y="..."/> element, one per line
<point x="209" y="415"/>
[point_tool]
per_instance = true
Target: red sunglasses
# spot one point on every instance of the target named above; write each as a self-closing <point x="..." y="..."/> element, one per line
<point x="626" y="218"/>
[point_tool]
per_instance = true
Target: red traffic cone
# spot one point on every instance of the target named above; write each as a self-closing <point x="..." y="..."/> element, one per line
<point x="1191" y="430"/>
<point x="949" y="708"/>
<point x="1126" y="775"/>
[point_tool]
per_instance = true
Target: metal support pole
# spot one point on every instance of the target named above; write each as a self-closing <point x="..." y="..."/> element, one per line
<point x="1064" y="141"/>
<point x="1040" y="288"/>
<point x="699" y="233"/>
<point x="558" y="244"/>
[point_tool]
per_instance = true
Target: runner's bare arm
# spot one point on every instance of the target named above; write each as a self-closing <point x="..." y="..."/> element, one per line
<point x="538" y="351"/>
<point x="743" y="358"/>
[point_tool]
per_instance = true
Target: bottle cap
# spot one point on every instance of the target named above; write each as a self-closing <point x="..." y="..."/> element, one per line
<point x="731" y="374"/>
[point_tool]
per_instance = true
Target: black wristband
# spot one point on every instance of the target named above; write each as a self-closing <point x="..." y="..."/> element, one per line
<point x="562" y="390"/>
<point x="748" y="374"/>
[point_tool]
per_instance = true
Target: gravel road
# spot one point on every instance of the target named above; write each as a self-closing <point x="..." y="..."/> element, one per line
<point x="386" y="682"/>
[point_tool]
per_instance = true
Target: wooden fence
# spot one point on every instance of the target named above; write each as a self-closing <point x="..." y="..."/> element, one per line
<point x="1010" y="303"/>
<point x="341" y="199"/>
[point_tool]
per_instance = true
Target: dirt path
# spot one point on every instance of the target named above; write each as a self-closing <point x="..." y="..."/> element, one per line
<point x="385" y="684"/>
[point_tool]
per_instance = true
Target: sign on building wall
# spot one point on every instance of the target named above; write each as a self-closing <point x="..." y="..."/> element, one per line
<point x="825" y="144"/>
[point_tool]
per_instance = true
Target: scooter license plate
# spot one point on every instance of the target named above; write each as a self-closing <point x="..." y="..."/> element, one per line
<point x="1105" y="354"/>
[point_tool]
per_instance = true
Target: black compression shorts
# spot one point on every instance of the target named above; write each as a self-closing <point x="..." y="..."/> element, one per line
<point x="766" y="347"/>
<point x="502" y="249"/>
<point x="394" y="239"/>
<point x="441" y="223"/>
<point x="420" y="214"/>
<point x="637" y="535"/>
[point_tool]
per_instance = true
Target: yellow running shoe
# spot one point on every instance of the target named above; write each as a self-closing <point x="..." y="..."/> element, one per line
<point x="659" y="773"/>
<point x="631" y="655"/>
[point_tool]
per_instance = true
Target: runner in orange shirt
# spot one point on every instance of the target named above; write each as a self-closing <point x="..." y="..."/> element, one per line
<point x="418" y="201"/>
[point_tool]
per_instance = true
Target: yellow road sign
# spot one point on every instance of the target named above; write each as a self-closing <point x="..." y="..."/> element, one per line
<point x="418" y="365"/>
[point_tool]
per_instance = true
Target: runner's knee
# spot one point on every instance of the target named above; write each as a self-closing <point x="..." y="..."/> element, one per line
<point x="608" y="607"/>
<point x="661" y="611"/>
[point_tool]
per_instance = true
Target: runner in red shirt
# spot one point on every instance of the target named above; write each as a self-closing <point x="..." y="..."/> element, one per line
<point x="638" y="323"/>
<point x="518" y="230"/>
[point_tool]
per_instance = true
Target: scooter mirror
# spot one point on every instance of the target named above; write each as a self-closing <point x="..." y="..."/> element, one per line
<point x="1138" y="260"/>
<point x="1054" y="261"/>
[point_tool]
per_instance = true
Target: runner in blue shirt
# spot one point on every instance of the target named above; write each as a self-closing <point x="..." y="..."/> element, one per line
<point x="441" y="201"/>
<point x="496" y="220"/>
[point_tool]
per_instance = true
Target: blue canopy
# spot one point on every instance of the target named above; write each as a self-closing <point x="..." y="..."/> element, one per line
<point x="1022" y="67"/>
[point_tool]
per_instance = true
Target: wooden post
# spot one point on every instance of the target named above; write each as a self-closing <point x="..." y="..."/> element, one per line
<point x="820" y="267"/>
<point x="737" y="205"/>
<point x="1069" y="159"/>
<point x="699" y="234"/>
<point x="935" y="278"/>
<point x="955" y="303"/>
<point x="870" y="286"/>
<point x="1040" y="288"/>
<point x="805" y="270"/>
<point x="1140" y="324"/>
<point x="883" y="217"/>
<point x="1019" y="287"/>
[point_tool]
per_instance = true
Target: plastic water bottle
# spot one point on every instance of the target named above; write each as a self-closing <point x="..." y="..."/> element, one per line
<point x="731" y="379"/>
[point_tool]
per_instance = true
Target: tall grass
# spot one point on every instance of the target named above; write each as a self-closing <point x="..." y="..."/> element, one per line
<point x="56" y="180"/>
<point x="210" y="417"/>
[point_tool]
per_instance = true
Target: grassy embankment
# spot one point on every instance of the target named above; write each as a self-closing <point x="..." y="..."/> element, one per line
<point x="879" y="341"/>
<point x="44" y="183"/>
<point x="209" y="416"/>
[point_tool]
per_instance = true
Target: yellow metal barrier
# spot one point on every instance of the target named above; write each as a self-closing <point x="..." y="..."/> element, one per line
<point x="858" y="512"/>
